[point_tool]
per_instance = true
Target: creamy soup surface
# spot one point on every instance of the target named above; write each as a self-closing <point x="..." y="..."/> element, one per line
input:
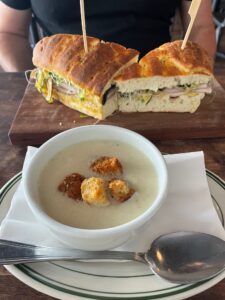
<point x="137" y="171"/>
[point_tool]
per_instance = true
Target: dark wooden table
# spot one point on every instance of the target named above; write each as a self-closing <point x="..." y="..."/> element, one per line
<point x="12" y="87"/>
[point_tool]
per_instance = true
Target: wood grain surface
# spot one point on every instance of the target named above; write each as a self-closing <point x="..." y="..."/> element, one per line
<point x="36" y="120"/>
<point x="12" y="86"/>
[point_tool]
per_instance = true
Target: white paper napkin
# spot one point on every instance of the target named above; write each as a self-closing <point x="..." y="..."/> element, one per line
<point x="188" y="207"/>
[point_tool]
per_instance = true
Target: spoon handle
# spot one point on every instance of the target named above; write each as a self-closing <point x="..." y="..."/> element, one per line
<point x="16" y="253"/>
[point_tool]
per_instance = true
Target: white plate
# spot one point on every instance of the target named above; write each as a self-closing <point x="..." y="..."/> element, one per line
<point x="105" y="280"/>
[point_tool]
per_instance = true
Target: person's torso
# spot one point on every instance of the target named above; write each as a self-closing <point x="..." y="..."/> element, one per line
<point x="140" y="24"/>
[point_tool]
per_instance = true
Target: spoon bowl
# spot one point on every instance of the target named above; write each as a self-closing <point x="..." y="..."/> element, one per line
<point x="185" y="257"/>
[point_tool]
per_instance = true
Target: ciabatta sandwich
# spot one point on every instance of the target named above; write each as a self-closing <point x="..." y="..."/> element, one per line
<point x="80" y="80"/>
<point x="167" y="79"/>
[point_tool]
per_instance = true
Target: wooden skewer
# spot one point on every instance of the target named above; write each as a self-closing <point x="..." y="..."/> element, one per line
<point x="193" y="10"/>
<point x="83" y="24"/>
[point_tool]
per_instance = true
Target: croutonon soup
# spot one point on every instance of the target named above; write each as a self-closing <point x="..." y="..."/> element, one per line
<point x="97" y="184"/>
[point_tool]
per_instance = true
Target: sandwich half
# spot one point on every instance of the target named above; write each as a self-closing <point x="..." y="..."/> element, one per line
<point x="167" y="79"/>
<point x="81" y="81"/>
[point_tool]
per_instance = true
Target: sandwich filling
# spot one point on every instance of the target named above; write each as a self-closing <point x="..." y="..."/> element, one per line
<point x="189" y="90"/>
<point x="54" y="87"/>
<point x="47" y="81"/>
<point x="168" y="94"/>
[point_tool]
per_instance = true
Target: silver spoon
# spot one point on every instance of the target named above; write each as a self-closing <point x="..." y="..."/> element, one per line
<point x="180" y="257"/>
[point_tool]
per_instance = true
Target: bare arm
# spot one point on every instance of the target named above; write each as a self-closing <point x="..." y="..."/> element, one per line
<point x="203" y="31"/>
<point x="15" y="52"/>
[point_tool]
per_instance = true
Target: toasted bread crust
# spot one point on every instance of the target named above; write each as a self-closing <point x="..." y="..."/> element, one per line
<point x="107" y="166"/>
<point x="120" y="190"/>
<point x="94" y="191"/>
<point x="170" y="60"/>
<point x="64" y="54"/>
<point x="71" y="186"/>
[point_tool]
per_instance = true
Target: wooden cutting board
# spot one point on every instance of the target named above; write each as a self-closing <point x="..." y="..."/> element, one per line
<point x="36" y="121"/>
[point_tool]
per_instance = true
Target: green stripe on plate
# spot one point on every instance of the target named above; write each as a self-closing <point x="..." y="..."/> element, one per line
<point x="53" y="284"/>
<point x="216" y="178"/>
<point x="4" y="190"/>
<point x="97" y="275"/>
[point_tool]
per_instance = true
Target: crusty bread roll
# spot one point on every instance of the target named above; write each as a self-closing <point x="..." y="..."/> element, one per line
<point x="108" y="77"/>
<point x="78" y="79"/>
<point x="167" y="79"/>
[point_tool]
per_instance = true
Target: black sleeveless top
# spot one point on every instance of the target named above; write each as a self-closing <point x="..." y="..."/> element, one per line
<point x="139" y="24"/>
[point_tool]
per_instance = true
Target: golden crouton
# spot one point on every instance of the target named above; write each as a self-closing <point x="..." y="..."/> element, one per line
<point x="71" y="185"/>
<point x="120" y="190"/>
<point x="107" y="166"/>
<point x="93" y="191"/>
